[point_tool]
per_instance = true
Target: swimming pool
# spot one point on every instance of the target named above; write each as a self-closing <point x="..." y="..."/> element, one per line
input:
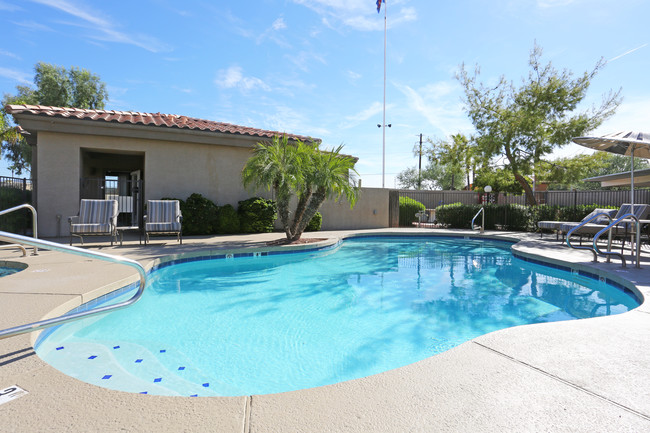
<point x="275" y="323"/>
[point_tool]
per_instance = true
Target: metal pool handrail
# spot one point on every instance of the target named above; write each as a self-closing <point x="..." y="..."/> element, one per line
<point x="482" y="219"/>
<point x="582" y="223"/>
<point x="35" y="326"/>
<point x="34" y="223"/>
<point x="637" y="244"/>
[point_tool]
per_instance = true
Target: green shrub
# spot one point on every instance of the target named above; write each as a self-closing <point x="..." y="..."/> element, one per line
<point x="408" y="207"/>
<point x="257" y="215"/>
<point x="20" y="221"/>
<point x="315" y="223"/>
<point x="517" y="217"/>
<point x="458" y="216"/>
<point x="577" y="213"/>
<point x="199" y="215"/>
<point x="227" y="220"/>
<point x="543" y="212"/>
<point x="510" y="216"/>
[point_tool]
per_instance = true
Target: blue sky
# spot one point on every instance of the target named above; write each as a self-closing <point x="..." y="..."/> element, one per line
<point x="315" y="67"/>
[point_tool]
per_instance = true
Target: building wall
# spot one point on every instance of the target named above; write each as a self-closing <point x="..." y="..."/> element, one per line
<point x="172" y="169"/>
<point x="370" y="211"/>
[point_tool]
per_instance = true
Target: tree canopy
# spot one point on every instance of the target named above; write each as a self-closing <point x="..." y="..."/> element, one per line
<point x="55" y="86"/>
<point x="524" y="124"/>
<point x="303" y="170"/>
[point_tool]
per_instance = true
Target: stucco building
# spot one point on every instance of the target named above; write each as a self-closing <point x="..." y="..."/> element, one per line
<point x="134" y="157"/>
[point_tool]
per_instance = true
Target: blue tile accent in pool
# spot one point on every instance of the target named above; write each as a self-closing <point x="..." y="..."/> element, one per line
<point x="194" y="395"/>
<point x="107" y="376"/>
<point x="59" y="348"/>
<point x="206" y="385"/>
<point x="163" y="350"/>
<point x="181" y="368"/>
<point x="116" y="347"/>
<point x="158" y="379"/>
<point x="92" y="357"/>
<point x="138" y="361"/>
<point x="144" y="392"/>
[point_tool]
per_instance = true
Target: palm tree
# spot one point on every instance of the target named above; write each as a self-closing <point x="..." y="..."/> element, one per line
<point x="301" y="169"/>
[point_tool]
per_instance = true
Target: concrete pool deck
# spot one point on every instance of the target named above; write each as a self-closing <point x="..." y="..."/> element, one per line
<point x="578" y="376"/>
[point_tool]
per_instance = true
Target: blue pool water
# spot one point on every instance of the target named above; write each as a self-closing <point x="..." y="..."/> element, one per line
<point x="276" y="323"/>
<point x="6" y="270"/>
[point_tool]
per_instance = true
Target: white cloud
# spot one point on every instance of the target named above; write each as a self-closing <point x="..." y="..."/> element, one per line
<point x="9" y="54"/>
<point x="354" y="76"/>
<point x="553" y="3"/>
<point x="4" y="6"/>
<point x="304" y="59"/>
<point x="627" y="52"/>
<point x="279" y="24"/>
<point x="357" y="14"/>
<point x="102" y="28"/>
<point x="439" y="103"/>
<point x="374" y="110"/>
<point x="33" y="26"/>
<point x="233" y="77"/>
<point x="12" y="74"/>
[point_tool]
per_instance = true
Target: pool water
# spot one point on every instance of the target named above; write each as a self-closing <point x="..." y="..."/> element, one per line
<point x="276" y="323"/>
<point x="6" y="270"/>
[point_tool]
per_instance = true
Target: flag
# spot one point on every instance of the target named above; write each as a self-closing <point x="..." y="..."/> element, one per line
<point x="378" y="5"/>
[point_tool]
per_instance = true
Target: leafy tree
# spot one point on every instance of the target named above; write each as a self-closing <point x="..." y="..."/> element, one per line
<point x="568" y="173"/>
<point x="457" y="154"/>
<point x="526" y="123"/>
<point x="55" y="86"/>
<point x="433" y="176"/>
<point x="501" y="180"/>
<point x="303" y="170"/>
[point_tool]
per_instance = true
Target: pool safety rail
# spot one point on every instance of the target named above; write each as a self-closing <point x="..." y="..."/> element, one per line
<point x="635" y="247"/>
<point x="53" y="246"/>
<point x="482" y="212"/>
<point x="34" y="226"/>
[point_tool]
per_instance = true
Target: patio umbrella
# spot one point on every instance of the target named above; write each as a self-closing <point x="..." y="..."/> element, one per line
<point x="630" y="143"/>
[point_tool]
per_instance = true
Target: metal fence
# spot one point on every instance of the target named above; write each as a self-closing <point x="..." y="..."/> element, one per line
<point x="433" y="199"/>
<point x="13" y="192"/>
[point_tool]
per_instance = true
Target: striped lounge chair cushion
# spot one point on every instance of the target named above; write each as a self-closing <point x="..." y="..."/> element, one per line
<point x="163" y="216"/>
<point x="97" y="211"/>
<point x="90" y="228"/>
<point x="163" y="227"/>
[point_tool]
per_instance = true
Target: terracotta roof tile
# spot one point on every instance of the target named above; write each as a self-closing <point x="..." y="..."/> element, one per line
<point x="157" y="119"/>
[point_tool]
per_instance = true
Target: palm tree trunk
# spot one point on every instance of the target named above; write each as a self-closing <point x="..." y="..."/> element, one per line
<point x="283" y="198"/>
<point x="300" y="209"/>
<point x="314" y="204"/>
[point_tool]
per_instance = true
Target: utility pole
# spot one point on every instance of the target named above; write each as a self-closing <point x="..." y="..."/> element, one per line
<point x="420" y="166"/>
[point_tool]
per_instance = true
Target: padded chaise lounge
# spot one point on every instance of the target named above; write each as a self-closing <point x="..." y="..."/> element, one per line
<point x="556" y="226"/>
<point x="96" y="218"/>
<point x="621" y="230"/>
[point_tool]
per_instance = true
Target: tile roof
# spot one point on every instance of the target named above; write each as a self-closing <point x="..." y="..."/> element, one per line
<point x="147" y="119"/>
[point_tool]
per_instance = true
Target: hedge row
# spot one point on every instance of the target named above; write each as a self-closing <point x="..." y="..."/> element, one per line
<point x="510" y="216"/>
<point x="254" y="215"/>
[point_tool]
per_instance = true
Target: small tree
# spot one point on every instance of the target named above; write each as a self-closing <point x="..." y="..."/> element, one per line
<point x="526" y="123"/>
<point x="302" y="170"/>
<point x="55" y="86"/>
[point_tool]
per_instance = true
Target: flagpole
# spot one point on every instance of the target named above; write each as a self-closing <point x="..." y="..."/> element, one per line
<point x="383" y="124"/>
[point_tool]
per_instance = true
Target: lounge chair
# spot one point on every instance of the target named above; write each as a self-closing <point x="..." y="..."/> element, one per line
<point x="163" y="218"/>
<point x="556" y="226"/>
<point x="96" y="218"/>
<point x="621" y="230"/>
